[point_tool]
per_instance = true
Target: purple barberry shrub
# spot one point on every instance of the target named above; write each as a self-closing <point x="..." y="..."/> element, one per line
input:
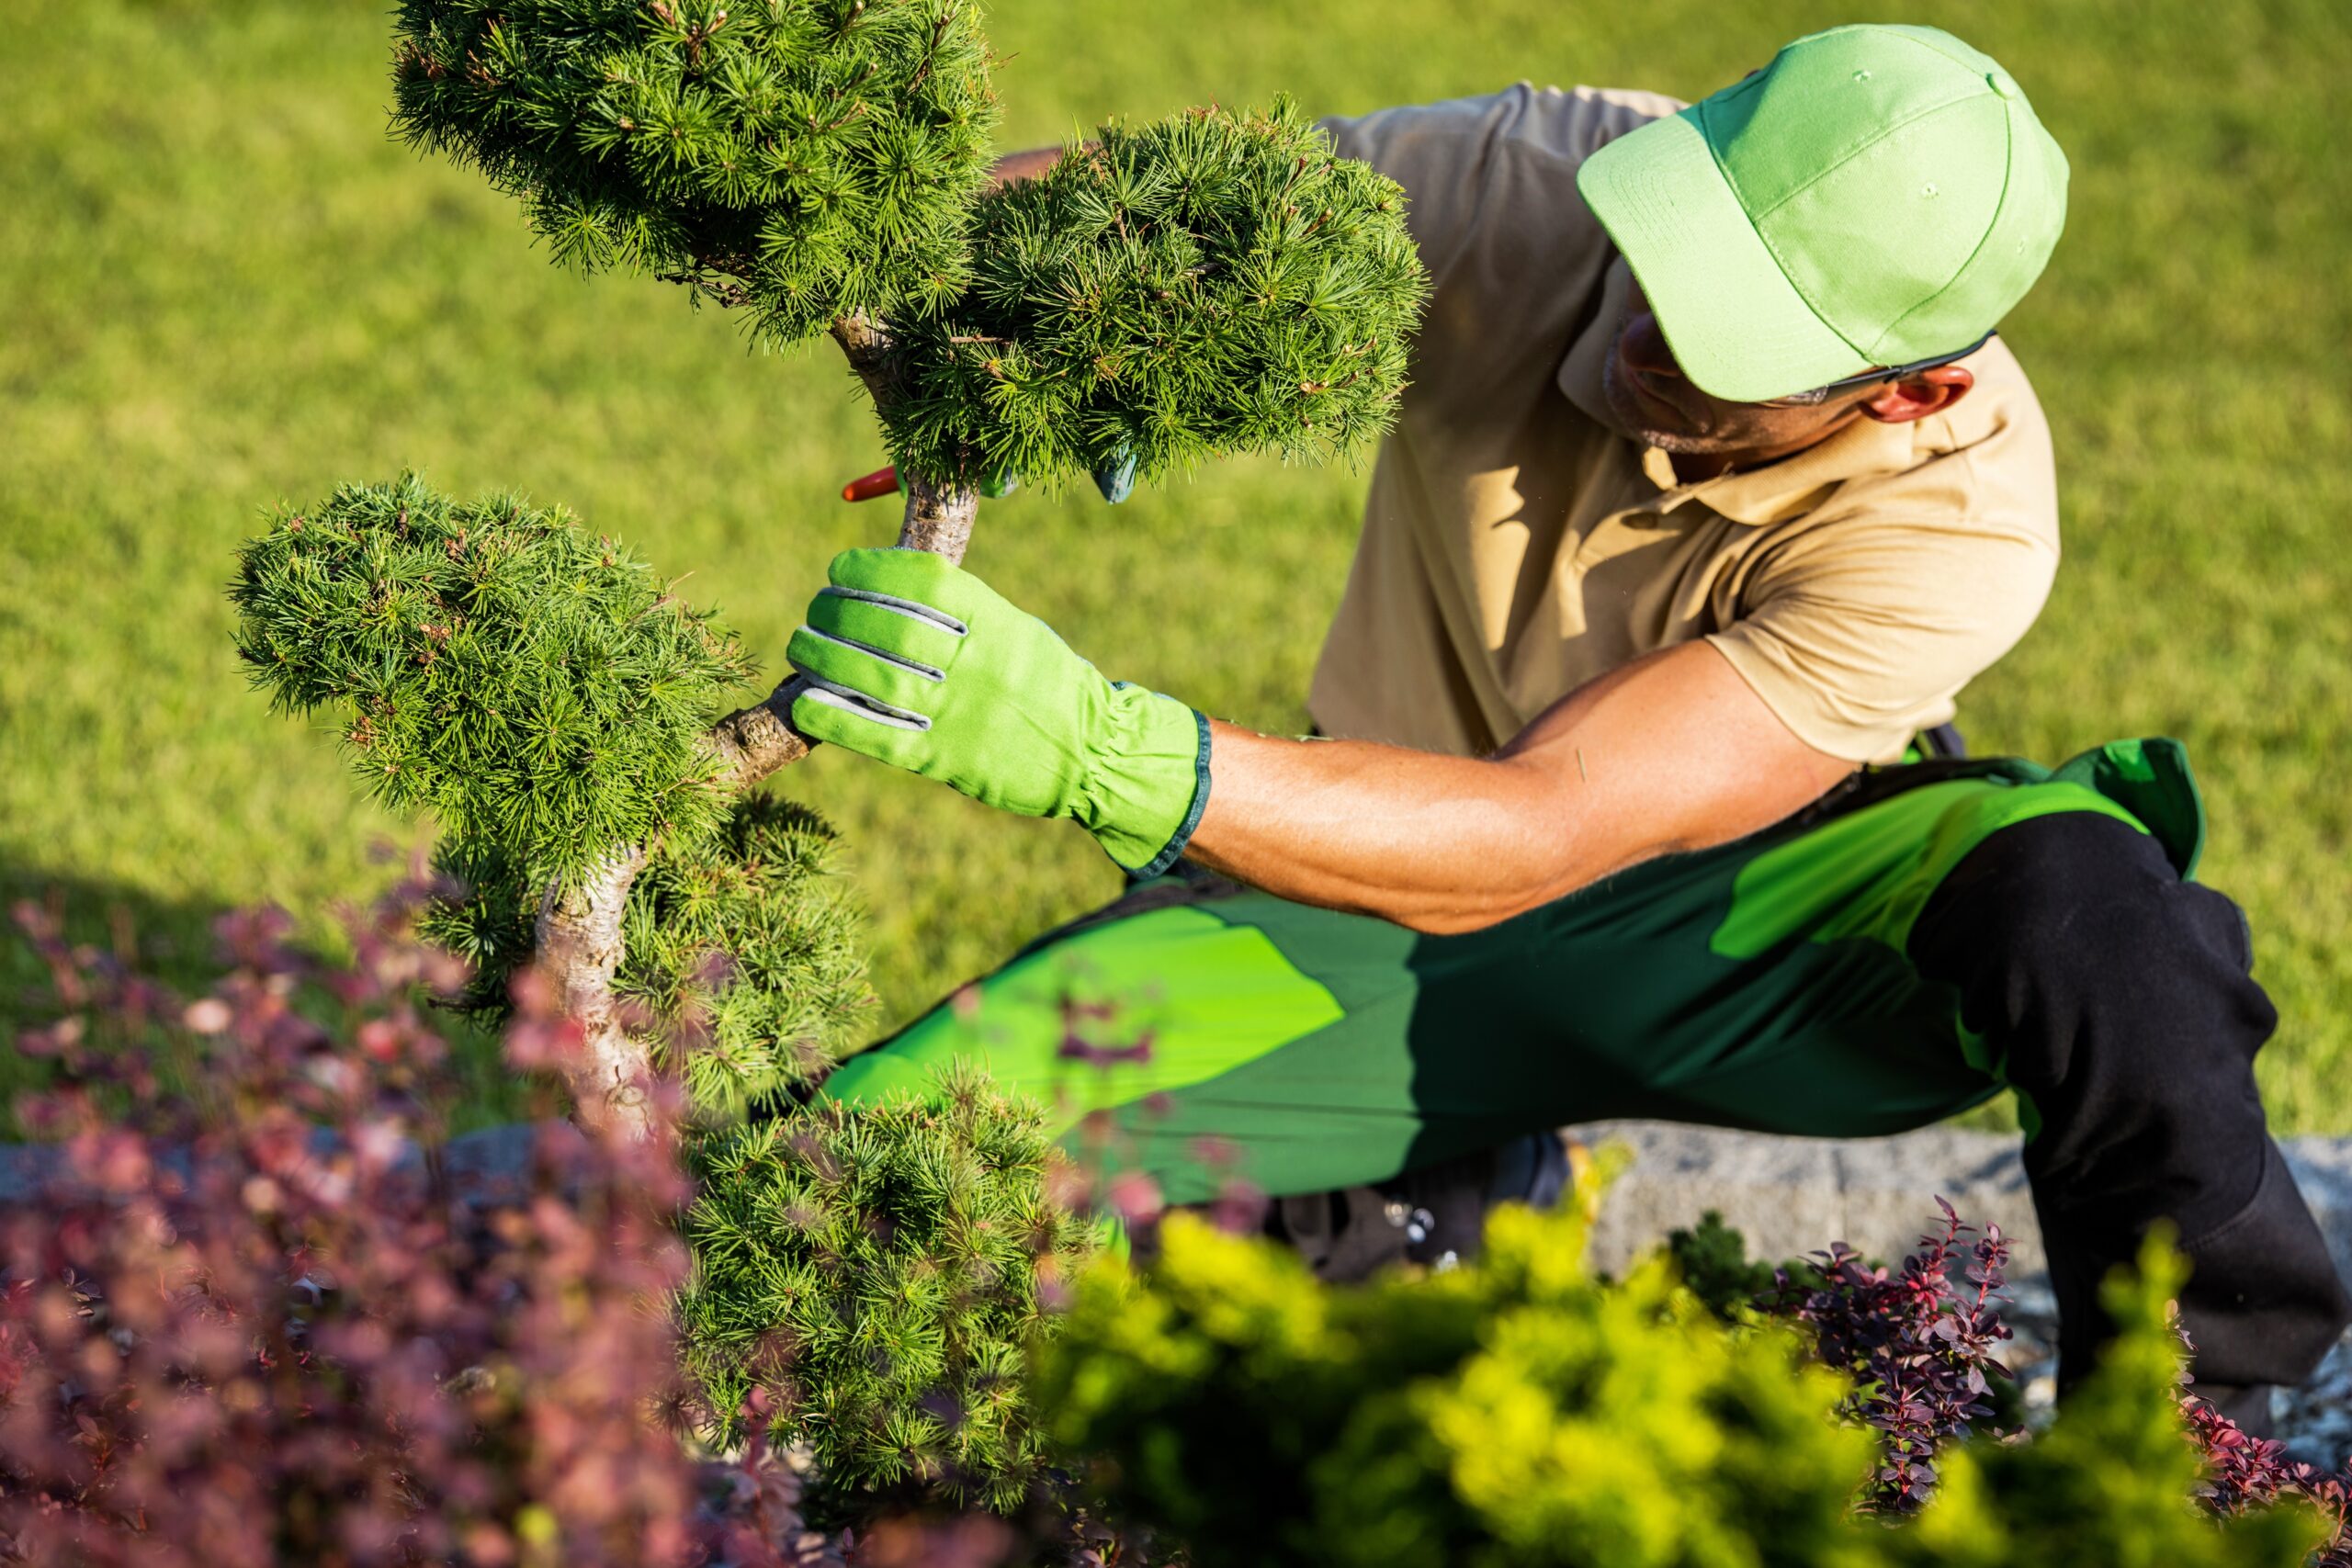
<point x="1921" y="1349"/>
<point x="244" y="1323"/>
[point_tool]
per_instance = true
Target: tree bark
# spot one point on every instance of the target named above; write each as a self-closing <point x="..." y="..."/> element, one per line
<point x="579" y="932"/>
<point x="579" y="943"/>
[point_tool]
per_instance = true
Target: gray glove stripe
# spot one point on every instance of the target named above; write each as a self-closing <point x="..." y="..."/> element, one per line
<point x="906" y="607"/>
<point x="928" y="672"/>
<point x="860" y="705"/>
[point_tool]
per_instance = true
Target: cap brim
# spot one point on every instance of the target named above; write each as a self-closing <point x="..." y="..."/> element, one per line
<point x="1739" y="327"/>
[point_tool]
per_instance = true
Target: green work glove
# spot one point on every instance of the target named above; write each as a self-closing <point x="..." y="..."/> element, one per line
<point x="921" y="664"/>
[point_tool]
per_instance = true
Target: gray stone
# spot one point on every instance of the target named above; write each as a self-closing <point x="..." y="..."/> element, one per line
<point x="1788" y="1196"/>
<point x="2322" y="1168"/>
<point x="493" y="1167"/>
<point x="1783" y="1194"/>
<point x="2315" y="1421"/>
<point x="1890" y="1186"/>
<point x="487" y="1168"/>
<point x="1793" y="1196"/>
<point x="23" y="1169"/>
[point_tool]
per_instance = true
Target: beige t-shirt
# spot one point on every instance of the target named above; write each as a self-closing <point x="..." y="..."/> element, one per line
<point x="1516" y="544"/>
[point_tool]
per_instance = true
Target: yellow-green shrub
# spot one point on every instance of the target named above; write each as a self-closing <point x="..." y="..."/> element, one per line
<point x="1517" y="1413"/>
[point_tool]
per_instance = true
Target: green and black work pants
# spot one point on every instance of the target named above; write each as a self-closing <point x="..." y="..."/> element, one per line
<point x="1920" y="939"/>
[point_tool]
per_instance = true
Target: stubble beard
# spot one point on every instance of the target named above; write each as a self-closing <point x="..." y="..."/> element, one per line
<point x="1625" y="408"/>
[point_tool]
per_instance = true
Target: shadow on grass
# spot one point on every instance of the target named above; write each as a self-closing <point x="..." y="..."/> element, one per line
<point x="174" y="941"/>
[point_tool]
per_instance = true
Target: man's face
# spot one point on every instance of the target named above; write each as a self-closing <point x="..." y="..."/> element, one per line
<point x="1652" y="401"/>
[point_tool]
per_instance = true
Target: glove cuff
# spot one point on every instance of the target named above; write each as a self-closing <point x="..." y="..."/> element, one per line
<point x="1147" y="791"/>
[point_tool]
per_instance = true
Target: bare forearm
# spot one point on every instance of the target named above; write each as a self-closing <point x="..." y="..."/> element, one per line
<point x="1671" y="752"/>
<point x="1431" y="842"/>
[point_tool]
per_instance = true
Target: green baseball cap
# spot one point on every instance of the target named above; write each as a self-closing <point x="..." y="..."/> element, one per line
<point x="1874" y="196"/>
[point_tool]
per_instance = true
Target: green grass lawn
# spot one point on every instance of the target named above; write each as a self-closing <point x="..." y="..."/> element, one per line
<point x="223" y="284"/>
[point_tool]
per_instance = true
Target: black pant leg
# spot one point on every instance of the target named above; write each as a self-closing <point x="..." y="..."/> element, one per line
<point x="2120" y="1000"/>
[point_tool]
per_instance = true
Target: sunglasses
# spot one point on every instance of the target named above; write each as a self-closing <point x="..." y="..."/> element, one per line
<point x="1871" y="378"/>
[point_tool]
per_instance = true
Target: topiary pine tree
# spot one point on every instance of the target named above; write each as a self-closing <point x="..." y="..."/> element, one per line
<point x="1214" y="283"/>
<point x="1217" y="283"/>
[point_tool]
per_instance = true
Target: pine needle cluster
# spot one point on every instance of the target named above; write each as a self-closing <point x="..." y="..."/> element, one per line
<point x="801" y="158"/>
<point x="1208" y="285"/>
<point x="748" y="950"/>
<point x="876" y="1273"/>
<point x="540" y="694"/>
<point x="744" y="951"/>
<point x="534" y="688"/>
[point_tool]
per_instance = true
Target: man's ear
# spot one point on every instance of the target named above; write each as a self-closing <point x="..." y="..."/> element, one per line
<point x="1916" y="397"/>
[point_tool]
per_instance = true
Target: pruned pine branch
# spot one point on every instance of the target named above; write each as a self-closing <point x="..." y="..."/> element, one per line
<point x="801" y="159"/>
<point x="548" y="701"/>
<point x="755" y="741"/>
<point x="1204" y="286"/>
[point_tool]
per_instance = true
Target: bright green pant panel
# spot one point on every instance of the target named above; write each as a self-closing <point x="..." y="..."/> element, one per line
<point x="1609" y="1003"/>
<point x="1124" y="1010"/>
<point x="1869" y="874"/>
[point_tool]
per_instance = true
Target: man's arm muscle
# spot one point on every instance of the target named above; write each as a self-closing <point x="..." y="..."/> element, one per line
<point x="1673" y="751"/>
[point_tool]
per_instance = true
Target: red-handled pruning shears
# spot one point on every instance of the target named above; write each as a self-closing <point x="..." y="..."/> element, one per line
<point x="881" y="481"/>
<point x="1116" y="479"/>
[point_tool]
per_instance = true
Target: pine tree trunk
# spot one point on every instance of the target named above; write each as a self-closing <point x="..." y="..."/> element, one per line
<point x="580" y="944"/>
<point x="759" y="739"/>
<point x="579" y="934"/>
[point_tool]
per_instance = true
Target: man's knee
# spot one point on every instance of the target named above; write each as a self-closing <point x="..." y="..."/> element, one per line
<point x="2073" y="934"/>
<point x="2116" y="1000"/>
<point x="2045" y="890"/>
<point x="2119" y="1000"/>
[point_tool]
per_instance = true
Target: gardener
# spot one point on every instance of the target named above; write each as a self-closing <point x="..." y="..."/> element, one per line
<point x="1712" y="490"/>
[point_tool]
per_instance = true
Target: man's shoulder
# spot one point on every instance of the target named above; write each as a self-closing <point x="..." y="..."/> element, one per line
<point x="1490" y="185"/>
<point x="1565" y="125"/>
<point x="1506" y="160"/>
